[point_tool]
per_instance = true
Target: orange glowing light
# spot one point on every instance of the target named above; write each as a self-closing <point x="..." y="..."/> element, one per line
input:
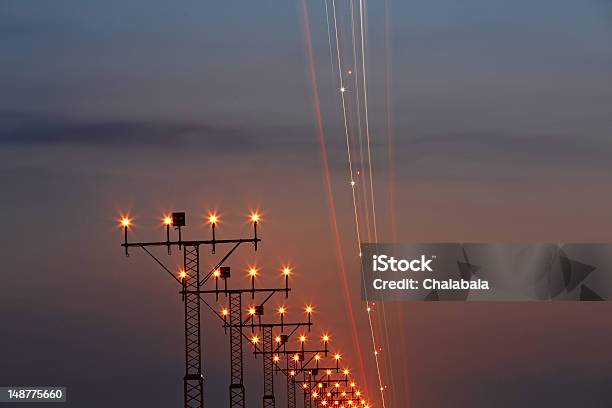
<point x="224" y="312"/>
<point x="251" y="311"/>
<point x="292" y="373"/>
<point x="317" y="357"/>
<point x="309" y="309"/>
<point x="276" y="359"/>
<point x="282" y="310"/>
<point x="255" y="217"/>
<point x="346" y="371"/>
<point x="217" y="273"/>
<point x="315" y="394"/>
<point x="352" y="385"/>
<point x="253" y="271"/>
<point x="182" y="274"/>
<point x="296" y="357"/>
<point x="328" y="372"/>
<point x="286" y="270"/>
<point x="167" y="220"/>
<point x="213" y="218"/>
<point x="278" y="339"/>
<point x="303" y="339"/>
<point x="337" y="385"/>
<point x="304" y="386"/>
<point x="326" y="338"/>
<point x="255" y="339"/>
<point x="125" y="221"/>
<point x="337" y="356"/>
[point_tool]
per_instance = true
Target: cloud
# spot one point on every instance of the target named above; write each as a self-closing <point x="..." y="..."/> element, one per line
<point x="18" y="129"/>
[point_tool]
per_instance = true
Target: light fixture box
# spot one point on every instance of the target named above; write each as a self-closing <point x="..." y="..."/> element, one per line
<point x="224" y="272"/>
<point x="178" y="219"/>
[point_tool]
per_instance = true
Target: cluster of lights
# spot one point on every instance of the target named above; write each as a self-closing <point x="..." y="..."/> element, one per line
<point x="212" y="218"/>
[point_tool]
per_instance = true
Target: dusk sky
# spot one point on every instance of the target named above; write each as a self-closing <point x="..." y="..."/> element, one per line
<point x="501" y="119"/>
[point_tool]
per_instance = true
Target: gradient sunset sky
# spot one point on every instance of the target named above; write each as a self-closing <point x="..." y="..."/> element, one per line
<point x="501" y="122"/>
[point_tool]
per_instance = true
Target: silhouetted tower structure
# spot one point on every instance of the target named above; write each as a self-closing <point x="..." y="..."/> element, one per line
<point x="191" y="282"/>
<point x="237" y="325"/>
<point x="236" y="387"/>
<point x="193" y="382"/>
<point x="268" y="369"/>
<point x="292" y="370"/>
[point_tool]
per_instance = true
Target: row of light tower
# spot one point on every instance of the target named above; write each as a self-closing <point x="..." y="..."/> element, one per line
<point x="320" y="378"/>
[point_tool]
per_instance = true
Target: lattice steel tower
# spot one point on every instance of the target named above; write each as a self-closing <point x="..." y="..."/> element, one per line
<point x="191" y="282"/>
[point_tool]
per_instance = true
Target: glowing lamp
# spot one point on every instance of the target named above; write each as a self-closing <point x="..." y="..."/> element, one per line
<point x="254" y="217"/>
<point x="125" y="222"/>
<point x="213" y="218"/>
